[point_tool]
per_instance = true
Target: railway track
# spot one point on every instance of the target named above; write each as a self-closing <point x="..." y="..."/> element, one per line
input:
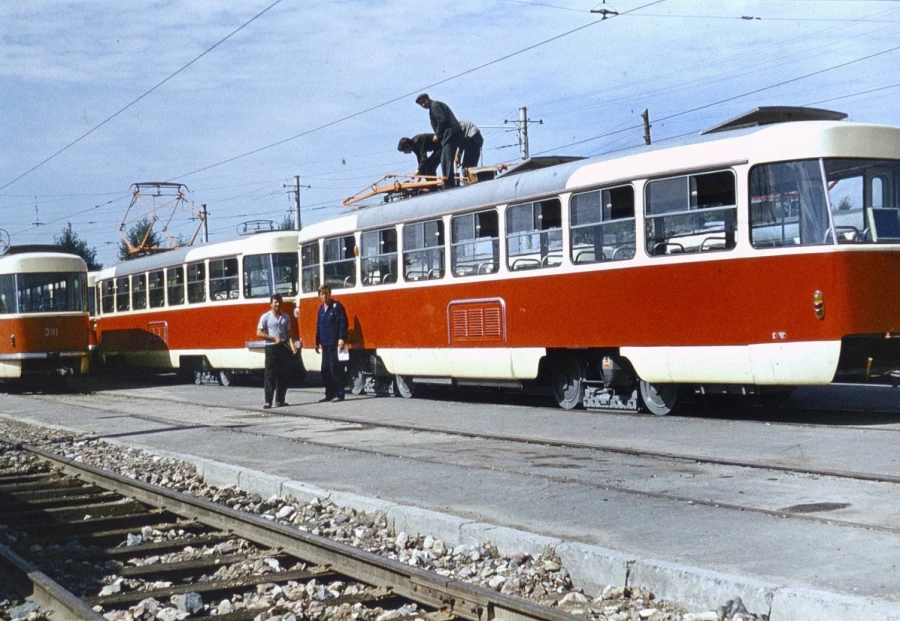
<point x="75" y="538"/>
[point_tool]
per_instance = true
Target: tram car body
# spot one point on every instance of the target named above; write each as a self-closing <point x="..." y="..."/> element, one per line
<point x="195" y="309"/>
<point x="761" y="255"/>
<point x="44" y="323"/>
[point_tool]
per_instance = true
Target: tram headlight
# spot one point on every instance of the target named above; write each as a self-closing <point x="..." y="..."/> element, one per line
<point x="12" y="340"/>
<point x="819" y="304"/>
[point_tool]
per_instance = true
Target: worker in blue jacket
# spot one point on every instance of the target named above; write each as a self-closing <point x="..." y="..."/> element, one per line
<point x="331" y="336"/>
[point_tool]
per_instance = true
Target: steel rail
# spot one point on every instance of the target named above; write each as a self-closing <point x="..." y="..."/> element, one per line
<point x="42" y="590"/>
<point x="450" y="597"/>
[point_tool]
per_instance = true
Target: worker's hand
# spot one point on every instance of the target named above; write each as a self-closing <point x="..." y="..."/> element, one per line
<point x="435" y="138"/>
<point x="340" y="343"/>
<point x="317" y="349"/>
<point x="457" y="161"/>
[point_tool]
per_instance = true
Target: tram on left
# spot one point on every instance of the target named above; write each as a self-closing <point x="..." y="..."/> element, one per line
<point x="44" y="322"/>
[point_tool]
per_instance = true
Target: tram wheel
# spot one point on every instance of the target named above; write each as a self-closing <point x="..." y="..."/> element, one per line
<point x="226" y="378"/>
<point x="356" y="374"/>
<point x="406" y="388"/>
<point x="568" y="382"/>
<point x="659" y="399"/>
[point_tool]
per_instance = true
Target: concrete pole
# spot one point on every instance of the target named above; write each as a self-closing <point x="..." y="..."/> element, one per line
<point x="523" y="132"/>
<point x="205" y="223"/>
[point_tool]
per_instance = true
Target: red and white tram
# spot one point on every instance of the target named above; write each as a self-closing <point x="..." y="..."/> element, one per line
<point x="44" y="321"/>
<point x="760" y="255"/>
<point x="195" y="309"/>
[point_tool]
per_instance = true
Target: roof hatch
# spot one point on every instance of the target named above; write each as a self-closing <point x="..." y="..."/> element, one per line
<point x="769" y="115"/>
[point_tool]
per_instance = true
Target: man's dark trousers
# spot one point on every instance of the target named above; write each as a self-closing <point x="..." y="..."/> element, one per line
<point x="332" y="372"/>
<point x="277" y="363"/>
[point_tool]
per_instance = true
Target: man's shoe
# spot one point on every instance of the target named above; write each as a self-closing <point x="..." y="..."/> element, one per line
<point x="267" y="406"/>
<point x="280" y="404"/>
<point x="337" y="399"/>
<point x="324" y="399"/>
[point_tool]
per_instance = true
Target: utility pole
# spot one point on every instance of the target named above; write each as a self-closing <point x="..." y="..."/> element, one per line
<point x="523" y="122"/>
<point x="205" y="216"/>
<point x="646" y="116"/>
<point x="296" y="191"/>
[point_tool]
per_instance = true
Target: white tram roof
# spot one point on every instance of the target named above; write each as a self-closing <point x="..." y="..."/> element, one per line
<point x="258" y="243"/>
<point x="38" y="260"/>
<point x="769" y="134"/>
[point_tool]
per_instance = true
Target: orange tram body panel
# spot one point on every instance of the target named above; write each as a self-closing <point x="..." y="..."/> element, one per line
<point x="44" y="323"/>
<point x="194" y="309"/>
<point x="756" y="257"/>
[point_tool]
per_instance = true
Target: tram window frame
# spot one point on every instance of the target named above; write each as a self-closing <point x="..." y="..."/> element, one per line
<point x="123" y="294"/>
<point x="682" y="207"/>
<point x="378" y="257"/>
<point x="257" y="270"/>
<point x="284" y="272"/>
<point x="196" y="282"/>
<point x="604" y="227"/>
<point x="339" y="261"/>
<point x="788" y="205"/>
<point x="534" y="235"/>
<point x="156" y="288"/>
<point x="310" y="272"/>
<point x="223" y="279"/>
<point x="467" y="232"/>
<point x="139" y="292"/>
<point x="423" y="260"/>
<point x="175" y="283"/>
<point x="107" y="296"/>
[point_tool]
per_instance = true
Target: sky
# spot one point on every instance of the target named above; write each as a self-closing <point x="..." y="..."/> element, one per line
<point x="233" y="99"/>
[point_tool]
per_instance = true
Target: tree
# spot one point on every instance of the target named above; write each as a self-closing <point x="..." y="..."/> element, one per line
<point x="287" y="223"/>
<point x="70" y="242"/>
<point x="135" y="237"/>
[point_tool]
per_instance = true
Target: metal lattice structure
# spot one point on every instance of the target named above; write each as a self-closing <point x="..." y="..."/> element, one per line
<point x="157" y="201"/>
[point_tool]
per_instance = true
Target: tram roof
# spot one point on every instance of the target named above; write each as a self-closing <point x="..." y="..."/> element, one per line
<point x="521" y="184"/>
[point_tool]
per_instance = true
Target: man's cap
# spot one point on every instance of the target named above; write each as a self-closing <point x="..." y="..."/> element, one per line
<point x="422" y="98"/>
<point x="405" y="143"/>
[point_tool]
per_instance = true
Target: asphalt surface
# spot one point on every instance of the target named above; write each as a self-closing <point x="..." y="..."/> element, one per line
<point x="695" y="532"/>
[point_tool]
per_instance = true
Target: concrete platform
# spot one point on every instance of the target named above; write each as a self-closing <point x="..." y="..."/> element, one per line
<point x="469" y="491"/>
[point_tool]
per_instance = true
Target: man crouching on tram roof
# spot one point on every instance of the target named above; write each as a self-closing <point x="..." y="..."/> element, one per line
<point x="422" y="145"/>
<point x="275" y="328"/>
<point x="331" y="335"/>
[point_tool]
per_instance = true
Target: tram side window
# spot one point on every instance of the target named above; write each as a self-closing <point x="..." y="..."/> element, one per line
<point x="534" y="235"/>
<point x="107" y="296"/>
<point x="284" y="266"/>
<point x="122" y="294"/>
<point x="156" y="289"/>
<point x="693" y="213"/>
<point x="8" y="294"/>
<point x="196" y="282"/>
<point x="601" y="225"/>
<point x="423" y="250"/>
<point x="175" y="285"/>
<point x="223" y="279"/>
<point x="309" y="255"/>
<point x="379" y="257"/>
<point x="340" y="262"/>
<point x="257" y="276"/>
<point x="139" y="291"/>
<point x="788" y="205"/>
<point x="475" y="243"/>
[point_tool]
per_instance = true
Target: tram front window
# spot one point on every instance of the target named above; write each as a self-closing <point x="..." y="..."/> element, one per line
<point x="789" y="202"/>
<point x="865" y="208"/>
<point x="44" y="293"/>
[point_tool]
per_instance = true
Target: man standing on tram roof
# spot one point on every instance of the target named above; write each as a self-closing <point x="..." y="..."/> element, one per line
<point x="447" y="131"/>
<point x="275" y="328"/>
<point x="331" y="335"/>
<point x="422" y="145"/>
